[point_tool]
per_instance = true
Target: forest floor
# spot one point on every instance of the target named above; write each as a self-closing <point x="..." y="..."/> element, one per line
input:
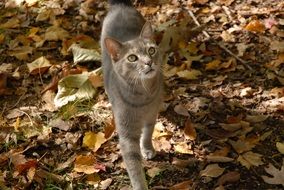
<point x="222" y="121"/>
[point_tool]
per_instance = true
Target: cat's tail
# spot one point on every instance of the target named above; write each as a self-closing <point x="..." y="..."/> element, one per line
<point x="123" y="2"/>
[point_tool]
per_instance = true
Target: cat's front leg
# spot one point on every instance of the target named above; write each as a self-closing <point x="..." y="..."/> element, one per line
<point x="147" y="149"/>
<point x="129" y="144"/>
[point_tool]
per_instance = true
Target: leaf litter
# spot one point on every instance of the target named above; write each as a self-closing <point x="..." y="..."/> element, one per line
<point x="221" y="126"/>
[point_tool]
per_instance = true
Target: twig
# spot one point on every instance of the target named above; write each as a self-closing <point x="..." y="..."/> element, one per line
<point x="228" y="12"/>
<point x="218" y="43"/>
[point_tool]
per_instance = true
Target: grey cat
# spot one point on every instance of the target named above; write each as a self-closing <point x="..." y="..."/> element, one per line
<point x="133" y="81"/>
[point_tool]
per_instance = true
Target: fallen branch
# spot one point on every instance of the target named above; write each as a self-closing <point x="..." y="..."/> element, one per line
<point x="218" y="43"/>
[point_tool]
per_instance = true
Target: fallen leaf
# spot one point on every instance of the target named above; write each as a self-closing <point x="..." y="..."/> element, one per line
<point x="277" y="46"/>
<point x="85" y="164"/>
<point x="256" y="118"/>
<point x="152" y="172"/>
<point x="189" y="130"/>
<point x="213" y="65"/>
<point x="278" y="175"/>
<point x="211" y="158"/>
<point x="26" y="166"/>
<point x="280" y="147"/>
<point x="189" y="74"/>
<point x="96" y="80"/>
<point x="109" y="128"/>
<point x="55" y="33"/>
<point x="94" y="140"/>
<point x="185" y="185"/>
<point x="60" y="124"/>
<point x="183" y="148"/>
<point x="255" y="26"/>
<point x="244" y="144"/>
<point x="74" y="87"/>
<point x="249" y="159"/>
<point x="21" y="53"/>
<point x="39" y="66"/>
<point x="84" y="55"/>
<point x="230" y="177"/>
<point x="212" y="170"/>
<point x="11" y="23"/>
<point x="181" y="110"/>
<point x="93" y="179"/>
<point x="105" y="183"/>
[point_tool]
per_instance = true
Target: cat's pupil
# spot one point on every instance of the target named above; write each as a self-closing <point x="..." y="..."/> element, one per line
<point x="151" y="51"/>
<point x="132" y="58"/>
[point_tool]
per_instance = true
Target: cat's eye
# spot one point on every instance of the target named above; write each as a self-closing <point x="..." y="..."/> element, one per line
<point x="151" y="51"/>
<point x="132" y="58"/>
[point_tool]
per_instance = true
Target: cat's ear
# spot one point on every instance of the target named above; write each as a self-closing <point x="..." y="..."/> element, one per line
<point x="147" y="31"/>
<point x="113" y="47"/>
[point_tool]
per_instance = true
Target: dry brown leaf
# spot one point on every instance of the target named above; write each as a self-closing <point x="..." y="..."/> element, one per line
<point x="244" y="144"/>
<point x="93" y="179"/>
<point x="105" y="183"/>
<point x="96" y="80"/>
<point x="181" y="110"/>
<point x="152" y="172"/>
<point x="55" y="33"/>
<point x="11" y="23"/>
<point x="278" y="175"/>
<point x="256" y="118"/>
<point x="85" y="164"/>
<point x="280" y="147"/>
<point x="212" y="170"/>
<point x="189" y="74"/>
<point x="249" y="159"/>
<point x="39" y="66"/>
<point x="213" y="65"/>
<point x="229" y="177"/>
<point x="185" y="185"/>
<point x="189" y="130"/>
<point x="218" y="159"/>
<point x="109" y="128"/>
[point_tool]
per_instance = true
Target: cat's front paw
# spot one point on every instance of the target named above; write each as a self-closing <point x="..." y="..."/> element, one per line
<point x="148" y="153"/>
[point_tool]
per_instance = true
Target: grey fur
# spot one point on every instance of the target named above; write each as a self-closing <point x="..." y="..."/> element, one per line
<point x="134" y="89"/>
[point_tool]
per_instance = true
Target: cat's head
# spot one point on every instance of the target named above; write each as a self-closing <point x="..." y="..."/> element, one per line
<point x="135" y="59"/>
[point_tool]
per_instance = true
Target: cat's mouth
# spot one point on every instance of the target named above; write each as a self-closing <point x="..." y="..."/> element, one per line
<point x="150" y="70"/>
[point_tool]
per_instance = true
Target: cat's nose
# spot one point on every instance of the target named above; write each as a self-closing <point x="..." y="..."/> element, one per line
<point x="149" y="63"/>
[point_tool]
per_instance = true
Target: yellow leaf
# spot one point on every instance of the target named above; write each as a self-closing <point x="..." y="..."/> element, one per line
<point x="212" y="170"/>
<point x="17" y="124"/>
<point x="192" y="48"/>
<point x="93" y="179"/>
<point x="255" y="26"/>
<point x="94" y="140"/>
<point x="280" y="147"/>
<point x="183" y="148"/>
<point x="189" y="74"/>
<point x="85" y="164"/>
<point x="213" y="65"/>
